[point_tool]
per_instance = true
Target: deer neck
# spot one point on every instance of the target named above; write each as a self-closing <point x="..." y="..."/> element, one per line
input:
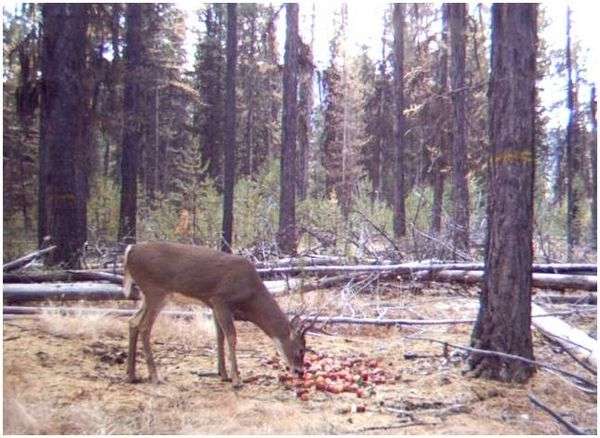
<point x="269" y="317"/>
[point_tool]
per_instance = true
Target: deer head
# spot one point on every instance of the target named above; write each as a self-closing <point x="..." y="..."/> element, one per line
<point x="296" y="347"/>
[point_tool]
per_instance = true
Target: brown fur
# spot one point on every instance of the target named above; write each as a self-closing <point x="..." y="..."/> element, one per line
<point x="226" y="283"/>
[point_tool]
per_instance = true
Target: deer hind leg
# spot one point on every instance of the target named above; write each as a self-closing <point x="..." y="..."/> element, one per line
<point x="134" y="323"/>
<point x="154" y="306"/>
<point x="221" y="351"/>
<point x="224" y="318"/>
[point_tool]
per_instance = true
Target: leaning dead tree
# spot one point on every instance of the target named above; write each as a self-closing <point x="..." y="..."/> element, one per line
<point x="22" y="261"/>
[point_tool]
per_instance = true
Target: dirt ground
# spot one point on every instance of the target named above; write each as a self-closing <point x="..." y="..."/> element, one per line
<point x="65" y="375"/>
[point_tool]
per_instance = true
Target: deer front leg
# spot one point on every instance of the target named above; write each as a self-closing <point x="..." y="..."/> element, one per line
<point x="224" y="318"/>
<point x="220" y="351"/>
<point x="134" y="323"/>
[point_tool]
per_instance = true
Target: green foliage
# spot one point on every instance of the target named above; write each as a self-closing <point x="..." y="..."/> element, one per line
<point x="320" y="221"/>
<point x="157" y="220"/>
<point x="103" y="210"/>
<point x="256" y="207"/>
<point x="17" y="239"/>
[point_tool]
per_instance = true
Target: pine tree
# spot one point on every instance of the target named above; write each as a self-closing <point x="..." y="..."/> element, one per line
<point x="133" y="104"/>
<point x="399" y="127"/>
<point x="230" y="128"/>
<point x="504" y="320"/>
<point x="287" y="239"/>
<point x="65" y="124"/>
<point x="457" y="14"/>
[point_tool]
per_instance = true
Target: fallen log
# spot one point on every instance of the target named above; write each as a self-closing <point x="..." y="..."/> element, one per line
<point x="326" y="282"/>
<point x="590" y="299"/>
<point x="410" y="267"/>
<point x="18" y="293"/>
<point x="570" y="338"/>
<point x="61" y="276"/>
<point x="564" y="268"/>
<point x="300" y="261"/>
<point x="403" y="268"/>
<point x="547" y="268"/>
<point x="22" y="261"/>
<point x="550" y="281"/>
<point x="32" y="310"/>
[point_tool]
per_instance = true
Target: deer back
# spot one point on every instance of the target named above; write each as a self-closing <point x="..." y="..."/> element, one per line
<point x="197" y="272"/>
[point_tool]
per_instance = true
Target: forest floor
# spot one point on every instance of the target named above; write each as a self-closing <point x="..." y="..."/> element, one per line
<point x="65" y="375"/>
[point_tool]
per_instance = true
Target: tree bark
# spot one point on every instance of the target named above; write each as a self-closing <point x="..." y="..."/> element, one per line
<point x="504" y="319"/>
<point x="230" y="116"/>
<point x="305" y="103"/>
<point x="457" y="17"/>
<point x="287" y="208"/>
<point x="64" y="131"/>
<point x="439" y="163"/>
<point x="133" y="103"/>
<point x="593" y="154"/>
<point x="399" y="212"/>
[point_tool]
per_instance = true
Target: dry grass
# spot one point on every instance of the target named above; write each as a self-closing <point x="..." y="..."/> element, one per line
<point x="65" y="375"/>
<point x="79" y="325"/>
<point x="23" y="417"/>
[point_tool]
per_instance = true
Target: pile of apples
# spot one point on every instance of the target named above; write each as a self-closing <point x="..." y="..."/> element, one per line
<point x="353" y="374"/>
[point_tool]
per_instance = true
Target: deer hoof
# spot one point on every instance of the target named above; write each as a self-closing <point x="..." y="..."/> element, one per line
<point x="237" y="384"/>
<point x="132" y="380"/>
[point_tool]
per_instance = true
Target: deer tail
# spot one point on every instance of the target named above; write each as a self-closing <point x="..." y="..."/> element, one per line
<point x="127" y="278"/>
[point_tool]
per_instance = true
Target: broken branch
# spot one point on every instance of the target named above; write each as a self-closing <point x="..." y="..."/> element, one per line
<point x="22" y="261"/>
<point x="570" y="427"/>
<point x="508" y="356"/>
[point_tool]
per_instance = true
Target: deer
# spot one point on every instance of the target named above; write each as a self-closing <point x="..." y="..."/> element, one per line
<point x="227" y="283"/>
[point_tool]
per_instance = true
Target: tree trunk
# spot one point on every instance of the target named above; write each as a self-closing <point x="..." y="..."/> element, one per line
<point x="133" y="102"/>
<point x="230" y="116"/>
<point x="212" y="90"/>
<point x="439" y="163"/>
<point x="382" y="145"/>
<point x="114" y="79"/>
<point x="305" y="97"/>
<point x="593" y="154"/>
<point x="457" y="18"/>
<point x="65" y="128"/>
<point x="504" y="319"/>
<point x="287" y="209"/>
<point x="572" y="201"/>
<point x="399" y="213"/>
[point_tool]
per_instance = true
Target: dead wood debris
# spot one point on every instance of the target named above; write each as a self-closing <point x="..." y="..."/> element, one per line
<point x="577" y="377"/>
<point x="570" y="427"/>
